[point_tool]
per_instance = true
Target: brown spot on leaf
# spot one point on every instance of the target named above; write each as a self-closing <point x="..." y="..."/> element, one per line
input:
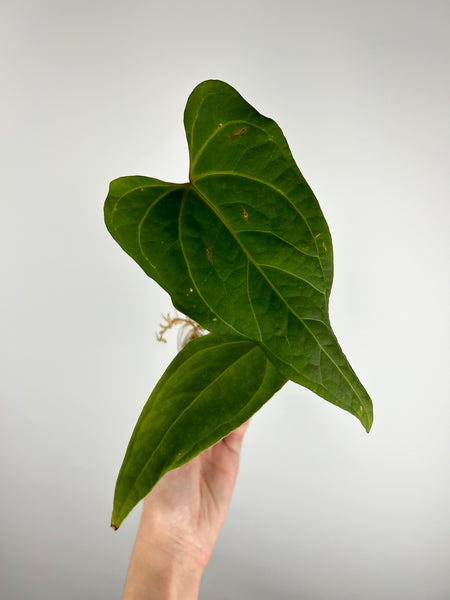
<point x="239" y="132"/>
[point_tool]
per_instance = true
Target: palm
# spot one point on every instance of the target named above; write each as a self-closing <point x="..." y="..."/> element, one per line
<point x="195" y="498"/>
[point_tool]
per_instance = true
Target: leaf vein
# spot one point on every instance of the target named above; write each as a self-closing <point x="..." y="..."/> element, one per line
<point x="181" y="461"/>
<point x="180" y="238"/>
<point x="302" y="321"/>
<point x="143" y="219"/>
<point x="128" y="192"/>
<point x="276" y="235"/>
<point x="213" y="135"/>
<point x="275" y="188"/>
<point x="251" y="302"/>
<point x="196" y="398"/>
<point x="293" y="275"/>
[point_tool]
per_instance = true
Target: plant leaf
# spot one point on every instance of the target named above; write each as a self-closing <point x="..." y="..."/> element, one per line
<point x="243" y="248"/>
<point x="213" y="385"/>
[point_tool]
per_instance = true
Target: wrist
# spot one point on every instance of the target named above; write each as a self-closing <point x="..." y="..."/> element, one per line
<point x="176" y="534"/>
<point x="160" y="568"/>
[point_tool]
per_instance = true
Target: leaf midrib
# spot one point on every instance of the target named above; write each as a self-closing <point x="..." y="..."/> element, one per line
<point x="276" y="189"/>
<point x="193" y="163"/>
<point x="213" y="135"/>
<point x="256" y="265"/>
<point x="196" y="397"/>
<point x="236" y="416"/>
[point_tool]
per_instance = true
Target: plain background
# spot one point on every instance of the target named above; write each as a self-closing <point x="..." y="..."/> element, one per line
<point x="91" y="91"/>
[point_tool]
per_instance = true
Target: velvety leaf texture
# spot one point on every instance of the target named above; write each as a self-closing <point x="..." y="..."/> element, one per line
<point x="242" y="248"/>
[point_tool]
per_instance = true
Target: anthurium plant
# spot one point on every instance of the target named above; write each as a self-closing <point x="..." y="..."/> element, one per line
<point x="244" y="251"/>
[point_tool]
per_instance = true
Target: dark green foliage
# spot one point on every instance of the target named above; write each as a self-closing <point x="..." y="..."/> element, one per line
<point x="244" y="250"/>
<point x="213" y="385"/>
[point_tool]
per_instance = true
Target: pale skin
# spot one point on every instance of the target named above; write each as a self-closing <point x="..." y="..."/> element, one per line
<point x="181" y="519"/>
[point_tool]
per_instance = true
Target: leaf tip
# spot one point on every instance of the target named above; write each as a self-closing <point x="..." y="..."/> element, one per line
<point x="116" y="521"/>
<point x="367" y="422"/>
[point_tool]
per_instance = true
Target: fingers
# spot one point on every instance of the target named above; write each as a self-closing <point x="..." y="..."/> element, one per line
<point x="240" y="431"/>
<point x="235" y="438"/>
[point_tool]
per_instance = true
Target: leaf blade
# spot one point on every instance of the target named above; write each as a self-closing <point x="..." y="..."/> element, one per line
<point x="199" y="399"/>
<point x="142" y="214"/>
<point x="261" y="157"/>
<point x="250" y="250"/>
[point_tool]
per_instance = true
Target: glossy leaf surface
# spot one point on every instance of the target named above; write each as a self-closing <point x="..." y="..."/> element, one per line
<point x="213" y="385"/>
<point x="243" y="247"/>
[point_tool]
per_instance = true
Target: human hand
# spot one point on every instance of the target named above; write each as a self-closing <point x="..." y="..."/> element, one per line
<point x="181" y="519"/>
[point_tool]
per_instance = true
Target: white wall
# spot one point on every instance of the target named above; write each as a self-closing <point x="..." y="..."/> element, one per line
<point x="95" y="90"/>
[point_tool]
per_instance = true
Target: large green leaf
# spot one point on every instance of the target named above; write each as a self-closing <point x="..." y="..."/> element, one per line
<point x="213" y="385"/>
<point x="243" y="247"/>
